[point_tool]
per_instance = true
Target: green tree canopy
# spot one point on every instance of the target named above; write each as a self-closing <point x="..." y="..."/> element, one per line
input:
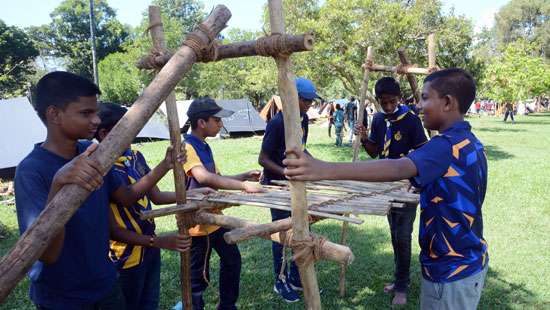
<point x="516" y="74"/>
<point x="68" y="34"/>
<point x="344" y="30"/>
<point x="527" y="20"/>
<point x="17" y="53"/>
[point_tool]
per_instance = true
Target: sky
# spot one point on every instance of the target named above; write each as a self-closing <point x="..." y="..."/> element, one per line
<point x="246" y="13"/>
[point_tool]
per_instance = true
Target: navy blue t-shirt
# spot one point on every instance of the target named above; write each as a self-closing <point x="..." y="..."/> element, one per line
<point x="273" y="143"/>
<point x="83" y="273"/>
<point x="407" y="133"/>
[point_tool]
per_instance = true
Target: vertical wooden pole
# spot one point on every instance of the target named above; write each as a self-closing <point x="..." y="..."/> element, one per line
<point x="431" y="51"/>
<point x="293" y="139"/>
<point x="343" y="267"/>
<point x="157" y="35"/>
<point x="362" y="99"/>
<point x="410" y="77"/>
<point x="432" y="66"/>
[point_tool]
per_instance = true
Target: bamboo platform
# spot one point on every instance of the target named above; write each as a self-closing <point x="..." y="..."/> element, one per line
<point x="331" y="197"/>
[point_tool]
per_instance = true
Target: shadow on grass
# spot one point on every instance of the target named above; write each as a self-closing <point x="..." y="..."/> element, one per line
<point x="499" y="293"/>
<point x="498" y="129"/>
<point x="494" y="152"/>
<point x="373" y="266"/>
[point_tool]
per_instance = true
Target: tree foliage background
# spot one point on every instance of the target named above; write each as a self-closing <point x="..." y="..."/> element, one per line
<point x="510" y="60"/>
<point x="17" y="53"/>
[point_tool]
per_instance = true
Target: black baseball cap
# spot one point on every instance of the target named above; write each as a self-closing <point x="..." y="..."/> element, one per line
<point x="206" y="107"/>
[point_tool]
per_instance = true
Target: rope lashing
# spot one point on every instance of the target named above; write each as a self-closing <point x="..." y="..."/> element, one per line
<point x="205" y="52"/>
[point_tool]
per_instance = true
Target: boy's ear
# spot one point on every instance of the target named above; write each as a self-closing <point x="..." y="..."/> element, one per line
<point x="52" y="114"/>
<point x="451" y="104"/>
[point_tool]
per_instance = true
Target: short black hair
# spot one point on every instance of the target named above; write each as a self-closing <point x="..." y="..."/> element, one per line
<point x="387" y="85"/>
<point x="109" y="113"/>
<point x="454" y="82"/>
<point x="59" y="88"/>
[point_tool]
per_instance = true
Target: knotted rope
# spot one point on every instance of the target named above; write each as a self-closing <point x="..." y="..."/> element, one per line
<point x="305" y="251"/>
<point x="205" y="52"/>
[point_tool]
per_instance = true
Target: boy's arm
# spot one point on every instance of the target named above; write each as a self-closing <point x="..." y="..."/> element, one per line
<point x="267" y="163"/>
<point x="307" y="168"/>
<point x="127" y="195"/>
<point x="423" y="165"/>
<point x="174" y="242"/>
<point x="217" y="181"/>
<point x="369" y="146"/>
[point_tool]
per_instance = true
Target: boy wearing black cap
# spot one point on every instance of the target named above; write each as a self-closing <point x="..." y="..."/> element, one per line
<point x="205" y="118"/>
<point x="451" y="172"/>
<point x="395" y="131"/>
<point x="271" y="158"/>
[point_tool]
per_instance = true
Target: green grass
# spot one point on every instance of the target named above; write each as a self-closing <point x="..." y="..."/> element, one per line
<point x="516" y="216"/>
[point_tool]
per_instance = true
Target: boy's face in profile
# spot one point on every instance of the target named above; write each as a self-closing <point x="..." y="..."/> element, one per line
<point x="432" y="105"/>
<point x="79" y="119"/>
<point x="213" y="126"/>
<point x="388" y="103"/>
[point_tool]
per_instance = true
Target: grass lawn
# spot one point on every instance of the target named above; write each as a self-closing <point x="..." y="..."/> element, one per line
<point x="516" y="216"/>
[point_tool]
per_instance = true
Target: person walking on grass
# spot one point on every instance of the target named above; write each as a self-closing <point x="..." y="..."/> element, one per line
<point x="509" y="111"/>
<point x="339" y="124"/>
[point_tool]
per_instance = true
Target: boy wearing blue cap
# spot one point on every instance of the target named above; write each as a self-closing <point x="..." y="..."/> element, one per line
<point x="451" y="172"/>
<point x="271" y="159"/>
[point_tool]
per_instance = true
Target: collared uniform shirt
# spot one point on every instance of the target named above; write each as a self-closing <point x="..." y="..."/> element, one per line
<point x="407" y="132"/>
<point x="452" y="176"/>
<point x="199" y="153"/>
<point x="129" y="169"/>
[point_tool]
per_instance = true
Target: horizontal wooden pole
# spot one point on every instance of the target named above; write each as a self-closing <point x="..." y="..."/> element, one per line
<point x="188" y="207"/>
<point x="329" y="251"/>
<point x="244" y="233"/>
<point x="265" y="46"/>
<point x="398" y="69"/>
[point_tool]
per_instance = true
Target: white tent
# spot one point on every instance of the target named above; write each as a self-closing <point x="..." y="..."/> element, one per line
<point x="245" y="119"/>
<point x="21" y="128"/>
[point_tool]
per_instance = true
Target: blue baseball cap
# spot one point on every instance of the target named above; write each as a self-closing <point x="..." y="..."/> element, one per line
<point x="306" y="89"/>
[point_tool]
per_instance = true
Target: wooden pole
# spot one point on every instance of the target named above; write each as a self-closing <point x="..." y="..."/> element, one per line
<point x="157" y="36"/>
<point x="431" y="52"/>
<point x="362" y="100"/>
<point x="432" y="66"/>
<point x="410" y="77"/>
<point x="293" y="139"/>
<point x="398" y="69"/>
<point x="343" y="267"/>
<point x="328" y="251"/>
<point x="15" y="264"/>
<point x="265" y="46"/>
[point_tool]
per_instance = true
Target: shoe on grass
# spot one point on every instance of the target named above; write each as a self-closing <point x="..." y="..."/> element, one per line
<point x="285" y="291"/>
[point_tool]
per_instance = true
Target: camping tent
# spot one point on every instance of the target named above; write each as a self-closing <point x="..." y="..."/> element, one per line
<point x="21" y="128"/>
<point x="274" y="105"/>
<point x="245" y="119"/>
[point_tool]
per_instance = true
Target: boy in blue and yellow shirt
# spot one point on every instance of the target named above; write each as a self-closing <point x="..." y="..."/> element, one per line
<point x="205" y="118"/>
<point x="395" y="131"/>
<point x="135" y="247"/>
<point x="451" y="172"/>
